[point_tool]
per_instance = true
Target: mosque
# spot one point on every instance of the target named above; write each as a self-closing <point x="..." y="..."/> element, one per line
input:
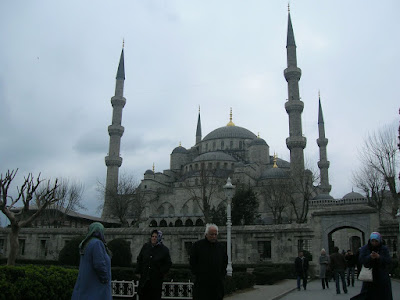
<point x="183" y="194"/>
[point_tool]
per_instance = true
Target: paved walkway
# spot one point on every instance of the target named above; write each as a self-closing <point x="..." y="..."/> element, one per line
<point x="286" y="290"/>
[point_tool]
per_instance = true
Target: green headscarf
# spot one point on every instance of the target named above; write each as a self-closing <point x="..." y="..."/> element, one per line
<point x="96" y="230"/>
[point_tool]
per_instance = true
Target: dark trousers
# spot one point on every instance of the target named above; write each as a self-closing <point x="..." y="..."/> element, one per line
<point x="341" y="274"/>
<point x="324" y="282"/>
<point x="304" y="277"/>
<point x="150" y="292"/>
<point x="350" y="274"/>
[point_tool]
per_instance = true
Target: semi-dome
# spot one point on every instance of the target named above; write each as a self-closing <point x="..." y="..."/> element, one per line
<point x="211" y="156"/>
<point x="323" y="197"/>
<point x="275" y="173"/>
<point x="258" y="141"/>
<point x="353" y="195"/>
<point x="230" y="132"/>
<point x="149" y="172"/>
<point x="179" y="149"/>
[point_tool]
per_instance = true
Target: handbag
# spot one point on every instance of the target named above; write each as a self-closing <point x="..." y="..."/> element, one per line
<point x="365" y="274"/>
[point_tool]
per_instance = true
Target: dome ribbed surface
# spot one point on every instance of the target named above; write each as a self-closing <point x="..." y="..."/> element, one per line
<point x="353" y="195"/>
<point x="230" y="132"/>
<point x="179" y="149"/>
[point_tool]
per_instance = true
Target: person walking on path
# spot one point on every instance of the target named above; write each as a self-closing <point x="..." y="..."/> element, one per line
<point x="338" y="266"/>
<point x="323" y="264"/>
<point x="94" y="277"/>
<point x="153" y="262"/>
<point x="375" y="255"/>
<point x="301" y="267"/>
<point x="208" y="261"/>
<point x="351" y="261"/>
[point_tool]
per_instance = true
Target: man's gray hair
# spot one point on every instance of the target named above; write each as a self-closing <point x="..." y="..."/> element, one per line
<point x="209" y="225"/>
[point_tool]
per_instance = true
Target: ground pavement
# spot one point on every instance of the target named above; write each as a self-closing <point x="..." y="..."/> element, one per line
<point x="286" y="290"/>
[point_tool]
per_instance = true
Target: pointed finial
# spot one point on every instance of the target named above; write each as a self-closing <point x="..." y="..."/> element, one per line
<point x="180" y="145"/>
<point x="288" y="7"/>
<point x="275" y="159"/>
<point x="123" y="43"/>
<point x="199" y="108"/>
<point x="230" y="119"/>
<point x="319" y="94"/>
<point x="153" y="168"/>
<point x="258" y="135"/>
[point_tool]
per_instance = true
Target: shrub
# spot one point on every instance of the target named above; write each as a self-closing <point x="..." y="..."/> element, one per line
<point x="269" y="274"/>
<point x="123" y="273"/>
<point x="37" y="282"/>
<point x="69" y="255"/>
<point x="121" y="253"/>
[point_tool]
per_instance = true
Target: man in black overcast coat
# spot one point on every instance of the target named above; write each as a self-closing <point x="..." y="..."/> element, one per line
<point x="208" y="261"/>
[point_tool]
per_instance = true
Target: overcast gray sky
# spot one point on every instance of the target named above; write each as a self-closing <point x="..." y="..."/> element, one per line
<point x="59" y="60"/>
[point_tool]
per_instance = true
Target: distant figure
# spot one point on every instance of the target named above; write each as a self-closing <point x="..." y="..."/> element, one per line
<point x="301" y="267"/>
<point x="94" y="278"/>
<point x="208" y="261"/>
<point x="375" y="255"/>
<point x="338" y="266"/>
<point x="324" y="264"/>
<point x="358" y="262"/>
<point x="351" y="261"/>
<point x="153" y="263"/>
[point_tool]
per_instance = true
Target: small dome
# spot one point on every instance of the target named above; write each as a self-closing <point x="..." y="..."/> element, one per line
<point x="211" y="156"/>
<point x="230" y="132"/>
<point x="274" y="173"/>
<point x="179" y="149"/>
<point x="281" y="163"/>
<point x="323" y="197"/>
<point x="258" y="141"/>
<point x="353" y="195"/>
<point x="149" y="172"/>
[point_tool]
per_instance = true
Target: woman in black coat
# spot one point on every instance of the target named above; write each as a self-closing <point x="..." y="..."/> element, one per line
<point x="153" y="263"/>
<point x="375" y="255"/>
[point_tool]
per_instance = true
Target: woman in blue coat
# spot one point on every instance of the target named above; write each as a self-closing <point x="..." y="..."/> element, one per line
<point x="94" y="278"/>
<point x="376" y="256"/>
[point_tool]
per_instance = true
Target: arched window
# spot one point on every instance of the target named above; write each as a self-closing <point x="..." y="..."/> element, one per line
<point x="185" y="210"/>
<point x="153" y="223"/>
<point x="231" y="144"/>
<point x="199" y="222"/>
<point x="178" y="223"/>
<point x="188" y="223"/>
<point x="171" y="210"/>
<point x="163" y="223"/>
<point x="214" y="145"/>
<point x="222" y="145"/>
<point x="161" y="210"/>
<point x="240" y="144"/>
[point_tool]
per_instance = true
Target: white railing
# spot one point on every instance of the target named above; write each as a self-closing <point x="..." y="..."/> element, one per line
<point x="170" y="290"/>
<point x="334" y="202"/>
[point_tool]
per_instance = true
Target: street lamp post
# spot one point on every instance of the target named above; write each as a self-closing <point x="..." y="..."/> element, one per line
<point x="229" y="188"/>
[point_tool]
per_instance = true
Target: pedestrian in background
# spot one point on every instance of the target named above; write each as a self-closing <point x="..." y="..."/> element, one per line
<point x="301" y="267"/>
<point x="208" y="261"/>
<point x="351" y="261"/>
<point x="153" y="262"/>
<point x="375" y="255"/>
<point x="323" y="264"/>
<point x="338" y="266"/>
<point x="94" y="277"/>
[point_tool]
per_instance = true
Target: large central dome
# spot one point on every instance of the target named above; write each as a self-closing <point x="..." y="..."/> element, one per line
<point x="230" y="132"/>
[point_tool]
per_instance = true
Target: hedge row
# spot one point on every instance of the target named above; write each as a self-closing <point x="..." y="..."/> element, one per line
<point x="36" y="282"/>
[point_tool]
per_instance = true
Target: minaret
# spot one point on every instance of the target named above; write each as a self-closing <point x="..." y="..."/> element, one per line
<point x="323" y="163"/>
<point x="198" y="130"/>
<point x="296" y="142"/>
<point x="113" y="160"/>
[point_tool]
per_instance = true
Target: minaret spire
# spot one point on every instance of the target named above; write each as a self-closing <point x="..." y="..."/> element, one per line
<point x="323" y="163"/>
<point x="296" y="142"/>
<point x="113" y="160"/>
<point x="198" y="130"/>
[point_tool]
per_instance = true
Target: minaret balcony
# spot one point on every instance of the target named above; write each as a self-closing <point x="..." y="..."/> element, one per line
<point x="292" y="73"/>
<point x="322" y="142"/>
<point x="116" y="130"/>
<point x="296" y="142"/>
<point x="294" y="105"/>
<point x="118" y="101"/>
<point x="113" y="161"/>
<point x="323" y="164"/>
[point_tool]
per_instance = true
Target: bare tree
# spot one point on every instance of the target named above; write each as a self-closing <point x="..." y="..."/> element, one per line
<point x="203" y="186"/>
<point x="303" y="189"/>
<point x="380" y="153"/>
<point x="30" y="191"/>
<point x="373" y="184"/>
<point x="128" y="201"/>
<point x="70" y="199"/>
<point x="277" y="197"/>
